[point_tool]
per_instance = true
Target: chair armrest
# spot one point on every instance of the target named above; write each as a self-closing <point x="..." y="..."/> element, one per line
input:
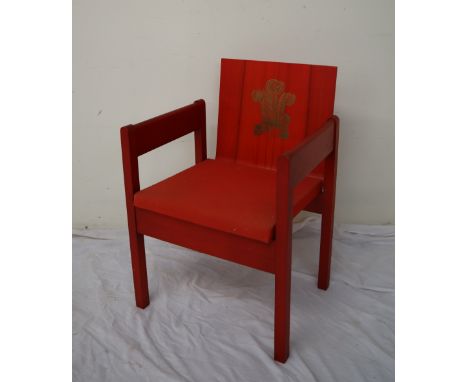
<point x="295" y="164"/>
<point x="143" y="137"/>
<point x="158" y="131"/>
<point x="303" y="158"/>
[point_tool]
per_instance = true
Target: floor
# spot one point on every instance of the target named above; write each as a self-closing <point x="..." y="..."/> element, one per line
<point x="211" y="320"/>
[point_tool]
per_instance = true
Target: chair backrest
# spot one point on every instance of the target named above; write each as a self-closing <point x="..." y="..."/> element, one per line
<point x="266" y="108"/>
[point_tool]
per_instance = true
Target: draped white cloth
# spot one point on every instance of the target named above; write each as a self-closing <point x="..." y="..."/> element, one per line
<point x="212" y="320"/>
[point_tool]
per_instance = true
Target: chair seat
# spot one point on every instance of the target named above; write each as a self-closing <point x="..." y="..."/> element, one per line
<point x="226" y="196"/>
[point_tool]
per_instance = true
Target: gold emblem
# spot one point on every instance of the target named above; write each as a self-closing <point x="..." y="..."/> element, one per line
<point x="273" y="102"/>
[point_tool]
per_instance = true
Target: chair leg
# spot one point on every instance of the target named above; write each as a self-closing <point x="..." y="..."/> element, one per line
<point x="140" y="278"/>
<point x="282" y="312"/>
<point x="326" y="239"/>
<point x="328" y="212"/>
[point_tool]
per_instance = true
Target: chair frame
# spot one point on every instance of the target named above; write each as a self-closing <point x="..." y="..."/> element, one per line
<point x="274" y="257"/>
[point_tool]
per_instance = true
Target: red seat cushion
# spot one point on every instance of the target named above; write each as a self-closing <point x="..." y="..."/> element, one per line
<point x="226" y="196"/>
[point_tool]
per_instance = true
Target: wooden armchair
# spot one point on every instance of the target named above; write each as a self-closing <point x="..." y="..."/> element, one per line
<point x="276" y="155"/>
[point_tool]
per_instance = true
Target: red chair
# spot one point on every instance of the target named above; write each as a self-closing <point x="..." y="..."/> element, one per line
<point x="276" y="155"/>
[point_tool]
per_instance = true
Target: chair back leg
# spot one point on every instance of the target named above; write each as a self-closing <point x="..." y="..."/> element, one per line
<point x="328" y="212"/>
<point x="140" y="278"/>
<point x="326" y="239"/>
<point x="283" y="249"/>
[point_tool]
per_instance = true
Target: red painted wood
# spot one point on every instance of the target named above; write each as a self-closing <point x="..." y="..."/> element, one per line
<point x="315" y="205"/>
<point x="225" y="196"/>
<point x="283" y="259"/>
<point x="137" y="140"/>
<point x="310" y="152"/>
<point x="292" y="167"/>
<point x="158" y="131"/>
<point x="328" y="212"/>
<point x="230" y="99"/>
<point x="313" y="86"/>
<point x="240" y="206"/>
<point x="200" y="133"/>
<point x="251" y="253"/>
<point x="137" y="245"/>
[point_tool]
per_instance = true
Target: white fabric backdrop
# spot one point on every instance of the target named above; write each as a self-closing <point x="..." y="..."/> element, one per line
<point x="211" y="320"/>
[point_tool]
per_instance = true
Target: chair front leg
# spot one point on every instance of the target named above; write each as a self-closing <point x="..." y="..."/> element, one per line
<point x="140" y="278"/>
<point x="137" y="242"/>
<point x="283" y="247"/>
<point x="282" y="300"/>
